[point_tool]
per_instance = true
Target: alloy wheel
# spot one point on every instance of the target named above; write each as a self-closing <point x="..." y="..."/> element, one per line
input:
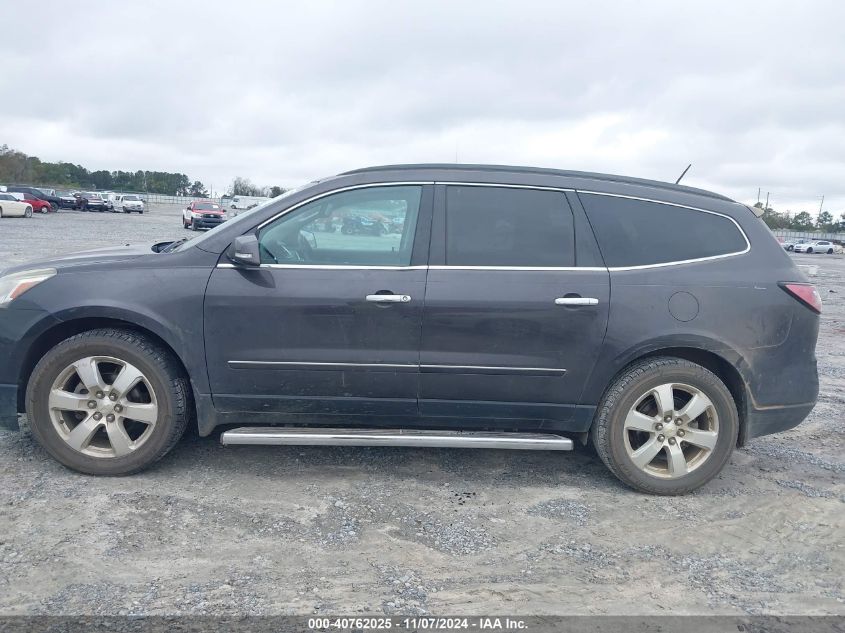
<point x="671" y="430"/>
<point x="103" y="407"/>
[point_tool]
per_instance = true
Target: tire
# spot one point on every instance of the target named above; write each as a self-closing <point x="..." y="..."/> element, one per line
<point x="27" y="213"/>
<point x="1" y="212"/>
<point x="614" y="440"/>
<point x="193" y="225"/>
<point x="809" y="250"/>
<point x="830" y="251"/>
<point x="162" y="381"/>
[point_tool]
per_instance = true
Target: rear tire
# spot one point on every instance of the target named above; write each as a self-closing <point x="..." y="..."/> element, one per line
<point x="27" y="213"/>
<point x="630" y="423"/>
<point x="830" y="251"/>
<point x="54" y="414"/>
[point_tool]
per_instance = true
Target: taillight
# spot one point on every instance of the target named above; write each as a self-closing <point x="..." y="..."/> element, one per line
<point x="806" y="294"/>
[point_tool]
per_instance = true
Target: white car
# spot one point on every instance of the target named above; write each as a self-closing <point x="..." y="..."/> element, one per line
<point x="815" y="246"/>
<point x="11" y="207"/>
<point x="129" y="203"/>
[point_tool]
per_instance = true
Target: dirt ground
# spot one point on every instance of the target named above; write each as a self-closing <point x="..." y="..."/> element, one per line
<point x="294" y="530"/>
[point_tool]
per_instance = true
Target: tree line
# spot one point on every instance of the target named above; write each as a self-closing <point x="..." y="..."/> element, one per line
<point x="19" y="168"/>
<point x="802" y="221"/>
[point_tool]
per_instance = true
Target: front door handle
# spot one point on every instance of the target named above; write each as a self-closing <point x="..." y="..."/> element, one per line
<point x="576" y="301"/>
<point x="389" y="298"/>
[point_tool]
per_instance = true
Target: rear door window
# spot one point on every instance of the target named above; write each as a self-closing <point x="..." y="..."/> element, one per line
<point x="642" y="233"/>
<point x="505" y="226"/>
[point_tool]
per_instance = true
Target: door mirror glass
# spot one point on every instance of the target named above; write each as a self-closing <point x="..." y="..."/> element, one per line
<point x="244" y="251"/>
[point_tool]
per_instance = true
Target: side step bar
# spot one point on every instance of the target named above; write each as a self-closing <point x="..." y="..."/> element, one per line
<point x="287" y="436"/>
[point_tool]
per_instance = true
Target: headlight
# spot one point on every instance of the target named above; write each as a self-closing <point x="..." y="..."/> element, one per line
<point x="196" y="214"/>
<point x="14" y="285"/>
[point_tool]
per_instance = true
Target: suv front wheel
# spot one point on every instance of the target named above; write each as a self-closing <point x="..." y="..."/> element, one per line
<point x="666" y="426"/>
<point x="107" y="402"/>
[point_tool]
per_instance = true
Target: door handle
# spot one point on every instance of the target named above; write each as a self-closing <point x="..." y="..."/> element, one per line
<point x="389" y="298"/>
<point x="576" y="301"/>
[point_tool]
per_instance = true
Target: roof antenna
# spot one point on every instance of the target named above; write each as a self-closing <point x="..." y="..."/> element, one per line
<point x="684" y="173"/>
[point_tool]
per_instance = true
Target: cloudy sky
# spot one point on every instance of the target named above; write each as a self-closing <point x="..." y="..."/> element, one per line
<point x="751" y="93"/>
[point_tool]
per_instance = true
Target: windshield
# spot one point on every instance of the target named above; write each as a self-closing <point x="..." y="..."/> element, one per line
<point x="132" y="198"/>
<point x="207" y="206"/>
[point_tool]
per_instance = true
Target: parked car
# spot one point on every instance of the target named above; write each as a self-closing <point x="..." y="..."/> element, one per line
<point x="91" y="201"/>
<point x="37" y="193"/>
<point x="67" y="199"/>
<point x="815" y="246"/>
<point x="241" y="203"/>
<point x="361" y="225"/>
<point x="38" y="205"/>
<point x="789" y="245"/>
<point x="489" y="322"/>
<point x="129" y="203"/>
<point x="11" y="207"/>
<point x="203" y="214"/>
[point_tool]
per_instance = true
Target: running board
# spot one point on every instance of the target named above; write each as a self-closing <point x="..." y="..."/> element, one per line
<point x="287" y="436"/>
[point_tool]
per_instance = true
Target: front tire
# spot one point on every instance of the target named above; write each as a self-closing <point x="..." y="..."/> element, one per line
<point x="666" y="426"/>
<point x="107" y="402"/>
<point x="809" y="250"/>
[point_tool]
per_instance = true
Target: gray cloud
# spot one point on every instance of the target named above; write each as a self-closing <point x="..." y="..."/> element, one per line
<point x="752" y="93"/>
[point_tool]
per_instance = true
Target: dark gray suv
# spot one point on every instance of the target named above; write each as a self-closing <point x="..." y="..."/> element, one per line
<point x="505" y="307"/>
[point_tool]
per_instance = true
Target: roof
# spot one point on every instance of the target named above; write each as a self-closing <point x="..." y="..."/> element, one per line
<point x="543" y="171"/>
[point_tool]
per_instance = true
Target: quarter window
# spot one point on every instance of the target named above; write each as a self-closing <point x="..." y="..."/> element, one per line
<point x="641" y="233"/>
<point x="504" y="226"/>
<point x="372" y="226"/>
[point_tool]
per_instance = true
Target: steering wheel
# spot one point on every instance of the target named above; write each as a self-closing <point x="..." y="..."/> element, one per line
<point x="280" y="254"/>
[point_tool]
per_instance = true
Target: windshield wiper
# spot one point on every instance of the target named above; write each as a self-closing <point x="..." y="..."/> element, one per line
<point x="174" y="245"/>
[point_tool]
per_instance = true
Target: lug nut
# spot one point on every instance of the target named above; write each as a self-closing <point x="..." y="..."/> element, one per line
<point x="658" y="426"/>
<point x="681" y="433"/>
<point x="118" y="408"/>
<point x="92" y="404"/>
<point x="660" y="438"/>
<point x="100" y="394"/>
<point x="112" y="396"/>
<point x="667" y="418"/>
<point x="110" y="417"/>
<point x="672" y="441"/>
<point x="98" y="415"/>
<point x="679" y="421"/>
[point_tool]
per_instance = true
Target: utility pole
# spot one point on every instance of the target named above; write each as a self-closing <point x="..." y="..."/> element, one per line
<point x="821" y="204"/>
<point x="758" y="195"/>
<point x="766" y="208"/>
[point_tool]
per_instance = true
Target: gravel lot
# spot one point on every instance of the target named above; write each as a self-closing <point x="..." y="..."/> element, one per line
<point x="264" y="530"/>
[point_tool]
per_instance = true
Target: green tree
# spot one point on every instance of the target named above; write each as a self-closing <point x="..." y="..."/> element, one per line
<point x="802" y="222"/>
<point x="275" y="190"/>
<point x="198" y="190"/>
<point x="825" y="221"/>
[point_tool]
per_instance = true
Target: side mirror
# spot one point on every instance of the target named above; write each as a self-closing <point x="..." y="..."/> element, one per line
<point x="244" y="251"/>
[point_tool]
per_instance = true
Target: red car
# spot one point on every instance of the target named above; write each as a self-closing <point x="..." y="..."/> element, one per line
<point x="38" y="205"/>
<point x="203" y="214"/>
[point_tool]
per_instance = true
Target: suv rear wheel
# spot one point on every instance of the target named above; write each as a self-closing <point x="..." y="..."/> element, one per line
<point x="107" y="402"/>
<point x="666" y="426"/>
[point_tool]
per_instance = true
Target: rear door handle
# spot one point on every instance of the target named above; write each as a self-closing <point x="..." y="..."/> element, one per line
<point x="576" y="301"/>
<point x="389" y="298"/>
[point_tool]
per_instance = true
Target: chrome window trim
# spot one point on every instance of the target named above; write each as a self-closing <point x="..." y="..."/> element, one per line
<point x="682" y="206"/>
<point x="526" y="268"/>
